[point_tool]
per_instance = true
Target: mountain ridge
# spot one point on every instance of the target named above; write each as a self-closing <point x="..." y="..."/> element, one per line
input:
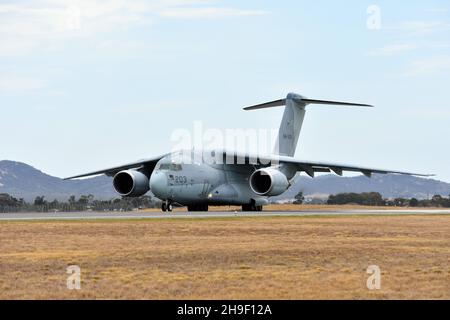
<point x="24" y="181"/>
<point x="390" y="186"/>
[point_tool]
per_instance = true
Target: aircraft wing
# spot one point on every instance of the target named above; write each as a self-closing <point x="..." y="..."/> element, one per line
<point x="311" y="167"/>
<point x="147" y="164"/>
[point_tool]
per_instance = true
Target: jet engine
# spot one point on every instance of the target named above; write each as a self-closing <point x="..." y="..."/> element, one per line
<point x="131" y="183"/>
<point x="268" y="182"/>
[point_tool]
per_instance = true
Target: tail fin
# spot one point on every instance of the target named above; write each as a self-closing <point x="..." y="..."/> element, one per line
<point x="292" y="121"/>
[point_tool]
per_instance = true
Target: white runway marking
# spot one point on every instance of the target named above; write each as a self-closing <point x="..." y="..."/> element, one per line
<point x="222" y="214"/>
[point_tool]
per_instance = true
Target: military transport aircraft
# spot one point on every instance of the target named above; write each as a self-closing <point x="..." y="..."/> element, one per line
<point x="197" y="179"/>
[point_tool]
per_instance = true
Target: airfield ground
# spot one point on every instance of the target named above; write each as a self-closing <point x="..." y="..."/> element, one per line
<point x="302" y="257"/>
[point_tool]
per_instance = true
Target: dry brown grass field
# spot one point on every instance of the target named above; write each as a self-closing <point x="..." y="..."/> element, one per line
<point x="228" y="258"/>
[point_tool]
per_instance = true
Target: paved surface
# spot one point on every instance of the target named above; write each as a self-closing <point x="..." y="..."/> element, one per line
<point x="216" y="214"/>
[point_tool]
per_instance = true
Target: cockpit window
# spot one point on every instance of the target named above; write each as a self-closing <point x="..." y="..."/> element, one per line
<point x="176" y="167"/>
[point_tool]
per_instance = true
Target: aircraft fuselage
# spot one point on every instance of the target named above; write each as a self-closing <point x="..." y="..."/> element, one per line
<point x="202" y="182"/>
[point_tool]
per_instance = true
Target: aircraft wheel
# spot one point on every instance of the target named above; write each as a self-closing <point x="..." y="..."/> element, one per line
<point x="164" y="207"/>
<point x="200" y="207"/>
<point x="251" y="207"/>
<point x="169" y="207"/>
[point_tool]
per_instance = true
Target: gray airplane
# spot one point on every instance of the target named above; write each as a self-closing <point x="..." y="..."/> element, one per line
<point x="217" y="177"/>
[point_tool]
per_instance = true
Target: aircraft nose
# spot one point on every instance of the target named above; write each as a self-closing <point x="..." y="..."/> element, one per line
<point x="158" y="184"/>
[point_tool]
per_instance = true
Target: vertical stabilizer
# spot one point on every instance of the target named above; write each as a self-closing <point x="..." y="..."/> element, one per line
<point x="290" y="127"/>
<point x="291" y="124"/>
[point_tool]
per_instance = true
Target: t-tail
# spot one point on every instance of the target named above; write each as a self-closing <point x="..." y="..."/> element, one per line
<point x="291" y="124"/>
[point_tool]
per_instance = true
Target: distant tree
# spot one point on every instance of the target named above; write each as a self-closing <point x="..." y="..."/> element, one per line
<point x="366" y="198"/>
<point x="373" y="199"/>
<point x="437" y="200"/>
<point x="72" y="200"/>
<point x="299" y="198"/>
<point x="54" y="205"/>
<point x="413" y="202"/>
<point x="40" y="201"/>
<point x="84" y="200"/>
<point x="446" y="202"/>
<point x="400" y="202"/>
<point x="9" y="203"/>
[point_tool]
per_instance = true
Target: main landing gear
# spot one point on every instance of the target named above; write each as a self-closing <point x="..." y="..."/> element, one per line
<point x="251" y="207"/>
<point x="167" y="206"/>
<point x="198" y="207"/>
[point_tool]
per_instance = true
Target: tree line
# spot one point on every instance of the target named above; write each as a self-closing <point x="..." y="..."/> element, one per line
<point x="9" y="203"/>
<point x="376" y="199"/>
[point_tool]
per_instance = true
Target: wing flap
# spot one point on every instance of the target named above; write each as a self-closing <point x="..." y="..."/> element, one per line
<point x="340" y="168"/>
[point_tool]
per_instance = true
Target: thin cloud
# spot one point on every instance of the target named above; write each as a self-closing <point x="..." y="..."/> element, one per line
<point x="392" y="50"/>
<point x="29" y="24"/>
<point x="424" y="27"/>
<point x="429" y="66"/>
<point x="437" y="10"/>
<point x="14" y="85"/>
<point x="209" y="13"/>
<point x="51" y="19"/>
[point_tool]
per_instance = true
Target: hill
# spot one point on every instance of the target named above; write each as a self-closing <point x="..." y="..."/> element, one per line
<point x="390" y="186"/>
<point x="23" y="181"/>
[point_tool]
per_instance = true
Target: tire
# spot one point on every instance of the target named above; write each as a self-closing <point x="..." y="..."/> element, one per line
<point x="192" y="208"/>
<point x="199" y="207"/>
<point x="169" y="207"/>
<point x="164" y="207"/>
<point x="251" y="208"/>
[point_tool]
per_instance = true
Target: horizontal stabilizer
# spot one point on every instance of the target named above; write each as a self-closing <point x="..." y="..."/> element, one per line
<point x="337" y="103"/>
<point x="276" y="103"/>
<point x="303" y="101"/>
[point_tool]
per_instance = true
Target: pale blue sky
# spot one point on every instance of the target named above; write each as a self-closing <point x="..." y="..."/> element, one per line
<point x="91" y="84"/>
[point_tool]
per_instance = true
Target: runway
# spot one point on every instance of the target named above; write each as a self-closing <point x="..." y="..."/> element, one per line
<point x="199" y="215"/>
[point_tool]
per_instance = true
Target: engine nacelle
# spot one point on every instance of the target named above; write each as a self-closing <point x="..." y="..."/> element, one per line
<point x="268" y="182"/>
<point x="131" y="183"/>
